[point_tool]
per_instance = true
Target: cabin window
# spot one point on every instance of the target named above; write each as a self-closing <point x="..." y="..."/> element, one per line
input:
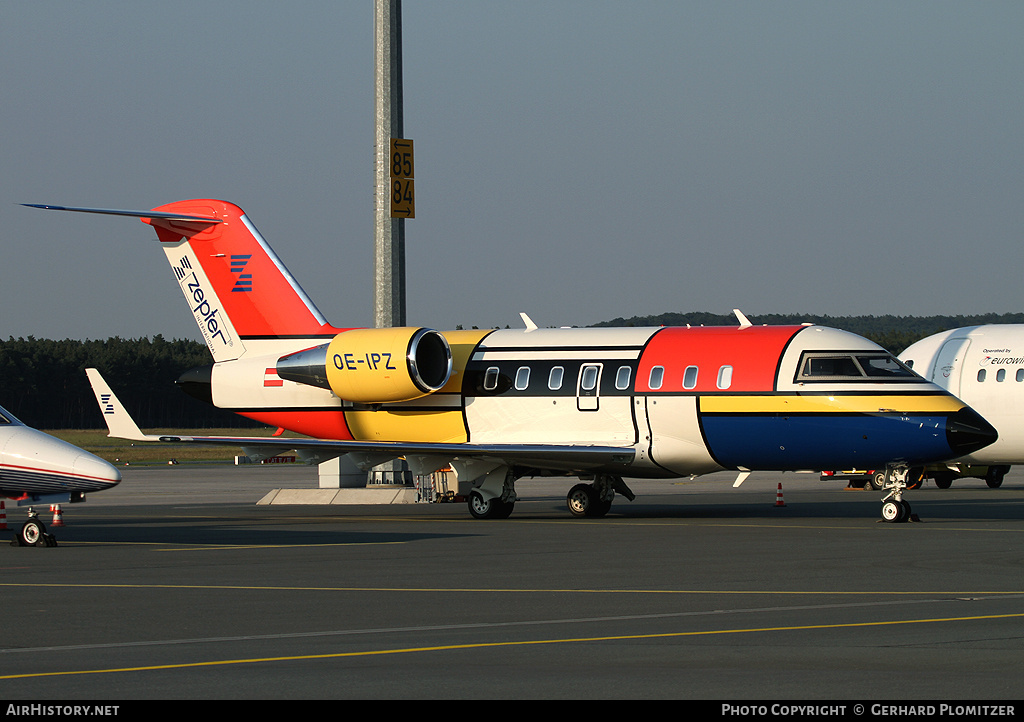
<point x="657" y="376"/>
<point x="981" y="374"/>
<point x="555" y="378"/>
<point x="690" y="377"/>
<point x="725" y="377"/>
<point x="1001" y="375"/>
<point x="589" y="381"/>
<point x="491" y="378"/>
<point x="622" y="378"/>
<point x="522" y="378"/>
<point x="1020" y="375"/>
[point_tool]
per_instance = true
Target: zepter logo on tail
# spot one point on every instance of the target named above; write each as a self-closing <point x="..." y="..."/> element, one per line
<point x="374" y="365"/>
<point x="215" y="325"/>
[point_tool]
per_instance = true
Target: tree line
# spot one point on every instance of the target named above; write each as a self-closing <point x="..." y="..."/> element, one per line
<point x="43" y="381"/>
<point x="893" y="333"/>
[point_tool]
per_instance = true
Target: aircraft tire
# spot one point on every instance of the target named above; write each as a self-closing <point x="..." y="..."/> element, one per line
<point x="581" y="499"/>
<point x="944" y="479"/>
<point x="878" y="480"/>
<point x="994" y="476"/>
<point x="32" y="533"/>
<point x="893" y="512"/>
<point x="480" y="508"/>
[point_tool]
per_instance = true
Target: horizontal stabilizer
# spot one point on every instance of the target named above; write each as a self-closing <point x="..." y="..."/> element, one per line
<point x="135" y="214"/>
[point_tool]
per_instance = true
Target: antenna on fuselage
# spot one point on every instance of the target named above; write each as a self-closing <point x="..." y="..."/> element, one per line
<point x="530" y="325"/>
<point x="744" y="321"/>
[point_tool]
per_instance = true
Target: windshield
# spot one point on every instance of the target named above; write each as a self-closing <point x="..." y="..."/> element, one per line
<point x="832" y="366"/>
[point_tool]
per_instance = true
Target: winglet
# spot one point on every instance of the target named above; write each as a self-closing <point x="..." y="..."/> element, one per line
<point x="530" y="325"/>
<point x="119" y="423"/>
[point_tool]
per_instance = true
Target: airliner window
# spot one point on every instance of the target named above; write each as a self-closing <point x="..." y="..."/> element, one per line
<point x="981" y="374"/>
<point x="491" y="378"/>
<point x="825" y="366"/>
<point x="522" y="378"/>
<point x="589" y="378"/>
<point x="690" y="377"/>
<point x="657" y="376"/>
<point x="725" y="377"/>
<point x="1020" y="375"/>
<point x="1001" y="375"/>
<point x="622" y="378"/>
<point x="555" y="378"/>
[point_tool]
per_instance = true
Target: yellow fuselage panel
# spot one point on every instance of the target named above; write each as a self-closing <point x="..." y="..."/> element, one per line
<point x="435" y="418"/>
<point x="441" y="426"/>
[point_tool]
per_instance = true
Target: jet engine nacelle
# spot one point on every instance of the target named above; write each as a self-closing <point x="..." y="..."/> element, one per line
<point x="374" y="365"/>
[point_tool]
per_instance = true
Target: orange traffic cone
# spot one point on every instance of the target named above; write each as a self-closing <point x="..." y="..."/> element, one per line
<point x="58" y="518"/>
<point x="3" y="516"/>
<point x="778" y="496"/>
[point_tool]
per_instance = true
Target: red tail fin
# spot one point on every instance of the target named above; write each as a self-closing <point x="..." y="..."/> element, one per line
<point x="234" y="283"/>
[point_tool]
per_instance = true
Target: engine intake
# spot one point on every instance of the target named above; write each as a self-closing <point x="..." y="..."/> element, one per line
<point x="374" y="365"/>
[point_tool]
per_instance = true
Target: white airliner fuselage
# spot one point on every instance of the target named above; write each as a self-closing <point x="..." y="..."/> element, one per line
<point x="984" y="367"/>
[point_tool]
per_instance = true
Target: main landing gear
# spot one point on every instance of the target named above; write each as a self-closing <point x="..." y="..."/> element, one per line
<point x="895" y="508"/>
<point x="493" y="508"/>
<point x="495" y="496"/>
<point x="595" y="500"/>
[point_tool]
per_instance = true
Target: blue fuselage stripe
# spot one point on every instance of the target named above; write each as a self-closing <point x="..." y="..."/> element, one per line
<point x="823" y="441"/>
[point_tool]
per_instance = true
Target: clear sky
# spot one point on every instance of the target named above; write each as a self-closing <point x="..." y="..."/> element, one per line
<point x="578" y="160"/>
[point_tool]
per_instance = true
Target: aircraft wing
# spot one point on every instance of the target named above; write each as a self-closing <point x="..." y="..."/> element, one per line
<point x="423" y="457"/>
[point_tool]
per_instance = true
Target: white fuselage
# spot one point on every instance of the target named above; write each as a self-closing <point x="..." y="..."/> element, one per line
<point x="34" y="465"/>
<point x="984" y="367"/>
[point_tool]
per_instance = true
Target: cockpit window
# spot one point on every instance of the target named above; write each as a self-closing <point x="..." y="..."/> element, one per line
<point x="884" y="367"/>
<point x="831" y="366"/>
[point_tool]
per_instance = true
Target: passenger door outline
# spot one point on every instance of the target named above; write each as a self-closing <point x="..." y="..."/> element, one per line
<point x="588" y="387"/>
<point x="949" y="364"/>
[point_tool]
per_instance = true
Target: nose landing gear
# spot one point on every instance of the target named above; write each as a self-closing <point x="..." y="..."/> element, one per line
<point x="33" y="533"/>
<point x="895" y="508"/>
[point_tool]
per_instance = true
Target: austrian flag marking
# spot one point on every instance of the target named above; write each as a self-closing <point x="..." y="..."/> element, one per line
<point x="270" y="378"/>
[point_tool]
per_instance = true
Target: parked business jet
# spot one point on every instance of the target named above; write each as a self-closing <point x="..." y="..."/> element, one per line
<point x="36" y="468"/>
<point x="984" y="367"/>
<point x="593" y="403"/>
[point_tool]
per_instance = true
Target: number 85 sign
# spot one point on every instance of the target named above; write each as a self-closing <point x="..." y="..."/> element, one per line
<point x="403" y="195"/>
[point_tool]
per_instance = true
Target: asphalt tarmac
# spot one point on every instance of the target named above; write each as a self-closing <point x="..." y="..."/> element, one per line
<point x="177" y="585"/>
